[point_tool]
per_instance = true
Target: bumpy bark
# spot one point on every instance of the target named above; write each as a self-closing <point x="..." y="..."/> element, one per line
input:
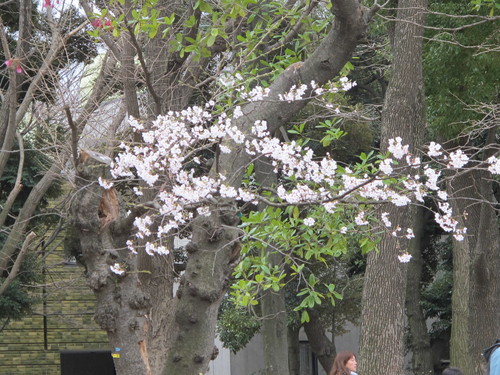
<point x="382" y="328"/>
<point x="213" y="253"/>
<point x="157" y="331"/>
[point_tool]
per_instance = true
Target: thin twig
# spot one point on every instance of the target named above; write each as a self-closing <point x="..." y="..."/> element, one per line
<point x="74" y="135"/>
<point x="17" y="264"/>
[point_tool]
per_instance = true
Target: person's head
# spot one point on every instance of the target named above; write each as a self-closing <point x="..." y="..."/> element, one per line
<point x="452" y="371"/>
<point x="344" y="363"/>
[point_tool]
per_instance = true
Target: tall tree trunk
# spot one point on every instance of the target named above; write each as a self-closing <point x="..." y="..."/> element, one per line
<point x="382" y="328"/>
<point x="293" y="350"/>
<point x="321" y="345"/>
<point x="275" y="332"/>
<point x="476" y="261"/>
<point x="274" y="323"/>
<point x="419" y="339"/>
<point x="125" y="303"/>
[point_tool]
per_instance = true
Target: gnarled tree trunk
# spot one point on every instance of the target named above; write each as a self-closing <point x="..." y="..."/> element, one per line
<point x="156" y="330"/>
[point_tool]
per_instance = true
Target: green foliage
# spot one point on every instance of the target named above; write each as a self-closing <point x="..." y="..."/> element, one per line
<point x="308" y="251"/>
<point x="326" y="133"/>
<point x="35" y="164"/>
<point x="236" y="326"/>
<point x="458" y="77"/>
<point x="436" y="295"/>
<point x="491" y="6"/>
<point x="17" y="300"/>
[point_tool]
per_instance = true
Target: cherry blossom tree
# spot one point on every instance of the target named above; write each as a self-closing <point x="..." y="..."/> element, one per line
<point x="184" y="165"/>
<point x="128" y="209"/>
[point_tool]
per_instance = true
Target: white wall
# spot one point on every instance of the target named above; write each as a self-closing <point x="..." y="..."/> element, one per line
<point x="222" y="364"/>
<point x="249" y="360"/>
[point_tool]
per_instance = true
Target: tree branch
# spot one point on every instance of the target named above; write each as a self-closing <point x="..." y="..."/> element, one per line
<point x="147" y="75"/>
<point x="17" y="264"/>
<point x="17" y="185"/>
<point x="323" y="65"/>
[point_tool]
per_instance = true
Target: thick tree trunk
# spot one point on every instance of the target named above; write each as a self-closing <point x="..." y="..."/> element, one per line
<point x="476" y="261"/>
<point x="321" y="345"/>
<point x="122" y="305"/>
<point x="293" y="350"/>
<point x="274" y="315"/>
<point x="419" y="339"/>
<point x="127" y="307"/>
<point x="274" y="333"/>
<point x="383" y="318"/>
<point x="151" y="330"/>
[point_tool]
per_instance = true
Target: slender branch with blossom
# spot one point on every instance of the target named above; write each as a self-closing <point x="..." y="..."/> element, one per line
<point x="174" y="141"/>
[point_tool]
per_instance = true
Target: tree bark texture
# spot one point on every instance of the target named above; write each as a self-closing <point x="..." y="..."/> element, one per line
<point x="476" y="261"/>
<point x="321" y="345"/>
<point x="419" y="339"/>
<point x="274" y="314"/>
<point x="293" y="350"/>
<point x="383" y="315"/>
<point x="169" y="333"/>
<point x="274" y="332"/>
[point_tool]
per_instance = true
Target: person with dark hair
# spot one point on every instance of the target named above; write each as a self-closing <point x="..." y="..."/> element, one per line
<point x="492" y="356"/>
<point x="344" y="364"/>
<point x="452" y="371"/>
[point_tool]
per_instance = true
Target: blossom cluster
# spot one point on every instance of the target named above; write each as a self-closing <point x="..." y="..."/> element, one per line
<point x="98" y="23"/>
<point x="174" y="141"/>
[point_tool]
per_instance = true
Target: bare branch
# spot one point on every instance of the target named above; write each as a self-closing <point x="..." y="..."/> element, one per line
<point x="17" y="264"/>
<point x="74" y="135"/>
<point x="3" y="39"/>
<point x="17" y="185"/>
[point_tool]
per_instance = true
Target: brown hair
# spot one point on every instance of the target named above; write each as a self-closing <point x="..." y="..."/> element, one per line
<point x="341" y="359"/>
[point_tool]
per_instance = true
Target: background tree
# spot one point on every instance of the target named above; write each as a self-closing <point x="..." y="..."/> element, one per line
<point x="383" y="315"/>
<point x="34" y="52"/>
<point x="462" y="107"/>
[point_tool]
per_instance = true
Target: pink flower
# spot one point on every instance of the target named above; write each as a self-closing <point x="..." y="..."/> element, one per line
<point x="47" y="4"/>
<point x="14" y="63"/>
<point x="96" y="23"/>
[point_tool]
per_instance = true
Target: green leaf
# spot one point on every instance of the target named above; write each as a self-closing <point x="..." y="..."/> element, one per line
<point x="205" y="7"/>
<point x="190" y="22"/>
<point x="211" y="40"/>
<point x="304" y="317"/>
<point x="169" y="20"/>
<point x="152" y="32"/>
